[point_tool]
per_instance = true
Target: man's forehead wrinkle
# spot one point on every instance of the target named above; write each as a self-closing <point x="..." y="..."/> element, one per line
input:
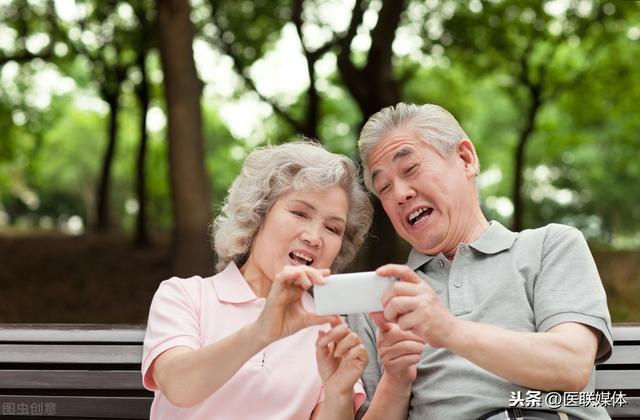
<point x="381" y="151"/>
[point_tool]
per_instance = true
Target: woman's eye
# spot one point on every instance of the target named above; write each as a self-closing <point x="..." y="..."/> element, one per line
<point x="383" y="189"/>
<point x="299" y="213"/>
<point x="334" y="230"/>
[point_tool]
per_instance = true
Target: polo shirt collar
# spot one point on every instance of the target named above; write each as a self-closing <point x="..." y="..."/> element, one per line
<point x="496" y="238"/>
<point x="231" y="287"/>
<point x="417" y="259"/>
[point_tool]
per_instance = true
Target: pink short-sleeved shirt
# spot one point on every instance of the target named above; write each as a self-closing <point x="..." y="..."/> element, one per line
<point x="280" y="382"/>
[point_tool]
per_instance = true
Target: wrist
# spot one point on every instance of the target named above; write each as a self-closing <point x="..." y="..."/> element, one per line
<point x="459" y="338"/>
<point x="396" y="387"/>
<point x="344" y="397"/>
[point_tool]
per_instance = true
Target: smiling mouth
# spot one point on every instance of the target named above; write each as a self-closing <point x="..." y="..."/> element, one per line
<point x="300" y="259"/>
<point x="419" y="215"/>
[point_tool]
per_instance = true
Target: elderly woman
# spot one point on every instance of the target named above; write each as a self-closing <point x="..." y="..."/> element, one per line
<point x="246" y="343"/>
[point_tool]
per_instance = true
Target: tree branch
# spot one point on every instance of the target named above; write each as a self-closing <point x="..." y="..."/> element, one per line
<point x="242" y="71"/>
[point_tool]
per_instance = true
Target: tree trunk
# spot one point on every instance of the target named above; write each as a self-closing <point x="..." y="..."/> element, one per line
<point x="191" y="194"/>
<point x="103" y="211"/>
<point x="520" y="159"/>
<point x="142" y="92"/>
<point x="373" y="88"/>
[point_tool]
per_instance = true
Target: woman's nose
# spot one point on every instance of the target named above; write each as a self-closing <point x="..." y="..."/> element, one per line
<point x="311" y="236"/>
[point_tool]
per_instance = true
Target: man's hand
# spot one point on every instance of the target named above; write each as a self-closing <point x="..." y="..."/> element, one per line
<point x="399" y="351"/>
<point x="415" y="306"/>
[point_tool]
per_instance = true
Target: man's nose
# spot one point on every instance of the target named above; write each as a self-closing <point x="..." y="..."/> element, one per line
<point x="404" y="192"/>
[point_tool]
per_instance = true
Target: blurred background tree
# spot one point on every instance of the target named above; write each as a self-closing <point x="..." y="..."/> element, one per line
<point x="124" y="122"/>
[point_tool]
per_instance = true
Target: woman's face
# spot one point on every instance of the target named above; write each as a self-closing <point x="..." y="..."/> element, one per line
<point x="302" y="227"/>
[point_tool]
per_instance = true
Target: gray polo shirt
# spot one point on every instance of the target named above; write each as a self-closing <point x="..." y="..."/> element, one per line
<point x="527" y="281"/>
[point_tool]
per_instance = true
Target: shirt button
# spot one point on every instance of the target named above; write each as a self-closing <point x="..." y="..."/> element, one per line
<point x="457" y="284"/>
<point x="440" y="263"/>
<point x="463" y="250"/>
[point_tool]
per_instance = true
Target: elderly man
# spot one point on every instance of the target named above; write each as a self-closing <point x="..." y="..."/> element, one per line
<point x="512" y="322"/>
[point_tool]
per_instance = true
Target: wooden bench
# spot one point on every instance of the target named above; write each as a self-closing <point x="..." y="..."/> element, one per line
<point x="93" y="371"/>
<point x="72" y="371"/>
<point x="621" y="373"/>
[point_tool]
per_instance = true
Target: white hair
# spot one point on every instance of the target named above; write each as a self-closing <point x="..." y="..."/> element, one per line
<point x="267" y="173"/>
<point x="432" y="124"/>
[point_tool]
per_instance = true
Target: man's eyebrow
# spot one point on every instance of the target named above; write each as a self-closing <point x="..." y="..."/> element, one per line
<point x="404" y="152"/>
<point x="312" y="207"/>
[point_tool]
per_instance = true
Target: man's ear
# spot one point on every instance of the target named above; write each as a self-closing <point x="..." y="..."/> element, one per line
<point x="467" y="154"/>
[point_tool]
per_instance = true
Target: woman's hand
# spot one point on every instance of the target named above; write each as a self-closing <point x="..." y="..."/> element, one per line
<point x="341" y="358"/>
<point x="399" y="350"/>
<point x="283" y="313"/>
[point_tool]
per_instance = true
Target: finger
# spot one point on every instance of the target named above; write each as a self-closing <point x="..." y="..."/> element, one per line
<point x="291" y="275"/>
<point x="322" y="351"/>
<point x="314" y="319"/>
<point x="358" y="352"/>
<point x="411" y="320"/>
<point x="336" y="334"/>
<point x="400" y="272"/>
<point x="403" y="361"/>
<point x="401" y="288"/>
<point x="346" y="343"/>
<point x="379" y="319"/>
<point x="399" y="306"/>
<point x="401" y="348"/>
<point x="396" y="335"/>
<point x="316" y="276"/>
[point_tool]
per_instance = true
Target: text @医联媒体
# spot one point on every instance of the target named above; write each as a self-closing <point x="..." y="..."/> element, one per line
<point x="537" y="399"/>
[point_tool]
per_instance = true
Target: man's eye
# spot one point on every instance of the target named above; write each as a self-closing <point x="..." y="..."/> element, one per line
<point x="410" y="169"/>
<point x="383" y="189"/>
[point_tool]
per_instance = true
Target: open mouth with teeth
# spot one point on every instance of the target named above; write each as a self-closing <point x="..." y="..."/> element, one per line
<point x="300" y="259"/>
<point x="419" y="215"/>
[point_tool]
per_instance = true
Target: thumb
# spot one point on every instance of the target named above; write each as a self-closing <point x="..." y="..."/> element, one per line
<point x="380" y="321"/>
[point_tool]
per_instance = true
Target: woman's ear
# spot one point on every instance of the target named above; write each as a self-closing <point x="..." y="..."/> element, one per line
<point x="467" y="154"/>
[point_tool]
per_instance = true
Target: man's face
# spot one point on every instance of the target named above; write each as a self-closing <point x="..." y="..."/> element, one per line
<point x="429" y="198"/>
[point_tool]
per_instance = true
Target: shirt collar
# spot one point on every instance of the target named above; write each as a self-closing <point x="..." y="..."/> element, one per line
<point x="231" y="286"/>
<point x="417" y="259"/>
<point x="496" y="238"/>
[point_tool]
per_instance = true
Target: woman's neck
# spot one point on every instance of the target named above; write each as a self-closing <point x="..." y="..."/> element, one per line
<point x="256" y="278"/>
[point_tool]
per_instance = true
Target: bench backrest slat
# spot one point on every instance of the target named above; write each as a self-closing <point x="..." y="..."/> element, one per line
<point x="77" y="406"/>
<point x="624" y="355"/>
<point x="70" y="379"/>
<point x="617" y="379"/>
<point x="80" y="354"/>
<point x="60" y="333"/>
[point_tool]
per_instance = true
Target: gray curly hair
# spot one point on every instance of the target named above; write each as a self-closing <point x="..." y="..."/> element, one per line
<point x="433" y="124"/>
<point x="267" y="173"/>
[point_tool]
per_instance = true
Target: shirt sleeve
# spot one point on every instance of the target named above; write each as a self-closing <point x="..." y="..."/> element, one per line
<point x="568" y="287"/>
<point x="173" y="322"/>
<point x="363" y="326"/>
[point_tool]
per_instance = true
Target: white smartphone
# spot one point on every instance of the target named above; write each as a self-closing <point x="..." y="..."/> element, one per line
<point x="351" y="293"/>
